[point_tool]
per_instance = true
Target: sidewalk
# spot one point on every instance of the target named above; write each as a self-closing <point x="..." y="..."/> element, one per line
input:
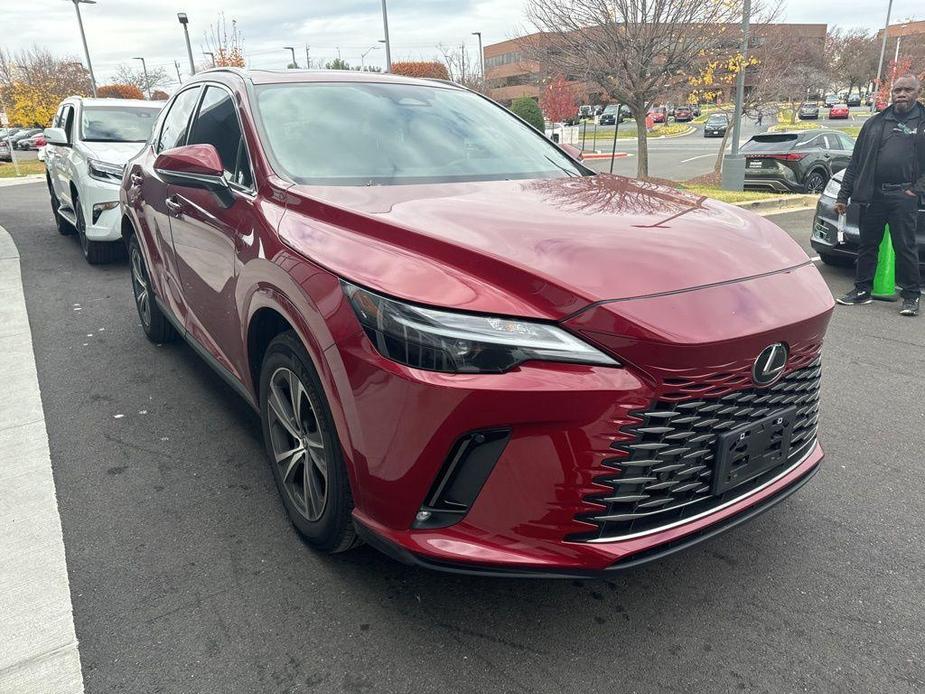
<point x="38" y="644"/>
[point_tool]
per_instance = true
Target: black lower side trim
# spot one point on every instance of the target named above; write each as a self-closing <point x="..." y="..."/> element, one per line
<point x="655" y="553"/>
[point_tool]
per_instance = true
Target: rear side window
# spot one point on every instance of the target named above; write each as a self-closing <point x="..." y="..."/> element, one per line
<point x="217" y="124"/>
<point x="770" y="143"/>
<point x="812" y="143"/>
<point x="176" y="123"/>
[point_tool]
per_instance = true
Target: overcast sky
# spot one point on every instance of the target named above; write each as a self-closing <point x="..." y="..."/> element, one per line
<point x="117" y="30"/>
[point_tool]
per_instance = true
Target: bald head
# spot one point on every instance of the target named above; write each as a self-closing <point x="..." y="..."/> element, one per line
<point x="906" y="90"/>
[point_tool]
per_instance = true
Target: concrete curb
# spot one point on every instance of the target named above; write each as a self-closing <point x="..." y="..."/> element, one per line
<point x="31" y="178"/>
<point x="785" y="202"/>
<point x="38" y="642"/>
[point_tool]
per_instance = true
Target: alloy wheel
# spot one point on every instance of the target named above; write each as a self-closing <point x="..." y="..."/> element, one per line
<point x="140" y="287"/>
<point x="299" y="449"/>
<point x="815" y="183"/>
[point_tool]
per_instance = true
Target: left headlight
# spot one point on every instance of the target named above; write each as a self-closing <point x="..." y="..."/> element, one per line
<point x="832" y="189"/>
<point x="104" y="171"/>
<point x="453" y="342"/>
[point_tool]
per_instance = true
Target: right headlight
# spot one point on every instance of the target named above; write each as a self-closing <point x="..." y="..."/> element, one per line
<point x="454" y="342"/>
<point x="832" y="189"/>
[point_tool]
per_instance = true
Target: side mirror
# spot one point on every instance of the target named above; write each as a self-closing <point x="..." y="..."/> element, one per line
<point x="195" y="166"/>
<point x="572" y="151"/>
<point x="56" y="136"/>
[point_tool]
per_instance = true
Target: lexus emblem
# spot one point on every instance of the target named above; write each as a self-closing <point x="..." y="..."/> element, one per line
<point x="769" y="366"/>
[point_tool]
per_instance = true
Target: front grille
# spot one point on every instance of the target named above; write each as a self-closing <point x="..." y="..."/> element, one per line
<point x="665" y="474"/>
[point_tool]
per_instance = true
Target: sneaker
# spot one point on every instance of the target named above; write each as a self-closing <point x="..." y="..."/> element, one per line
<point x="910" y="307"/>
<point x="855" y="296"/>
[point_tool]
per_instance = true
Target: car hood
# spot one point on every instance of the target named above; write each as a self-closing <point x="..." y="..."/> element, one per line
<point x="543" y="248"/>
<point x="112" y="152"/>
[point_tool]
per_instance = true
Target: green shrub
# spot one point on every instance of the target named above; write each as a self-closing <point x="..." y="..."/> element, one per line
<point x="529" y="110"/>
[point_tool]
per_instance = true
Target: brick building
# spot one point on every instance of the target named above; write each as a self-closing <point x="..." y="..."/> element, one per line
<point x="510" y="74"/>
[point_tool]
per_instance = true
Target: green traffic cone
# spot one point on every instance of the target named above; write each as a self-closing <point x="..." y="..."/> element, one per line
<point x="885" y="277"/>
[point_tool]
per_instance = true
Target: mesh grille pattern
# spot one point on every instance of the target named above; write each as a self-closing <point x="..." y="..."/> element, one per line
<point x="666" y="472"/>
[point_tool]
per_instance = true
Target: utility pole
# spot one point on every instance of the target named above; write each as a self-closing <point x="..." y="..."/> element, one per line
<point x="293" y="65"/>
<point x="144" y="69"/>
<point x="308" y="61"/>
<point x="481" y="55"/>
<point x="184" y="20"/>
<point x="886" y="33"/>
<point x="177" y="65"/>
<point x="733" y="177"/>
<point x="385" y="30"/>
<point x="83" y="37"/>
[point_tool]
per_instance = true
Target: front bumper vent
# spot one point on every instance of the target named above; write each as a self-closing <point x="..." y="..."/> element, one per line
<point x="666" y="473"/>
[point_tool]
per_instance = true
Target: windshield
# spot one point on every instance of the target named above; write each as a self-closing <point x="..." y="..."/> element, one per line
<point x="770" y="143"/>
<point x="117" y="123"/>
<point x="610" y="109"/>
<point x="385" y="134"/>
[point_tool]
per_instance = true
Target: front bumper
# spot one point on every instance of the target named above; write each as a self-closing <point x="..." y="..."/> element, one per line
<point x="568" y="424"/>
<point x="107" y="225"/>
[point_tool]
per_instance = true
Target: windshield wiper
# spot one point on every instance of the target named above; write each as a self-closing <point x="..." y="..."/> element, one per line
<point x="559" y="166"/>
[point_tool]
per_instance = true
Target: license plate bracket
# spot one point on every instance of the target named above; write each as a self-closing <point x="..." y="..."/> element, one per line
<point x="749" y="450"/>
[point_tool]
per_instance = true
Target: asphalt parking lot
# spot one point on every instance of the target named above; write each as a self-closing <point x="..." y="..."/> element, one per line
<point x="185" y="575"/>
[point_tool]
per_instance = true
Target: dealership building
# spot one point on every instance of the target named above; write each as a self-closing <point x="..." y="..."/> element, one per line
<point x="510" y="72"/>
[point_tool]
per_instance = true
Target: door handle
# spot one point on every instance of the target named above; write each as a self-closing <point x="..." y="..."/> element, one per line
<point x="136" y="179"/>
<point x="174" y="206"/>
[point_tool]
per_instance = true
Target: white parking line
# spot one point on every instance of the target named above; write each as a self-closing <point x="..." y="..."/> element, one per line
<point x="699" y="156"/>
<point x="38" y="644"/>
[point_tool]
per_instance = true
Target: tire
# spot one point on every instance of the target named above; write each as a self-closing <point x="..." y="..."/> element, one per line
<point x="153" y="321"/>
<point x="95" y="252"/>
<point x="318" y="501"/>
<point x="816" y="181"/>
<point x="61" y="224"/>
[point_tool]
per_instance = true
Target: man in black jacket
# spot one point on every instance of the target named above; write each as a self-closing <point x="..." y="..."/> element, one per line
<point x="886" y="176"/>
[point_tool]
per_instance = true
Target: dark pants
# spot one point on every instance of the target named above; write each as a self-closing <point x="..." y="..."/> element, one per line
<point x="900" y="211"/>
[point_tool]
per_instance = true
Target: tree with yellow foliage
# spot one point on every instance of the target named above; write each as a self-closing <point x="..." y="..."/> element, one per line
<point x="33" y="82"/>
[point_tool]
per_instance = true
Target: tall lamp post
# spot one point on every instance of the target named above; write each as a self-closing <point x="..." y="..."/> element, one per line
<point x="733" y="177"/>
<point x="144" y="69"/>
<point x="211" y="55"/>
<point x="481" y="55"/>
<point x="886" y="33"/>
<point x="385" y="32"/>
<point x="365" y="53"/>
<point x="291" y="50"/>
<point x="184" y="20"/>
<point x="83" y="37"/>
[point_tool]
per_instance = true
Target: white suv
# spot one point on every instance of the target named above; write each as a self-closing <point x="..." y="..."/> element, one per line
<point x="88" y="144"/>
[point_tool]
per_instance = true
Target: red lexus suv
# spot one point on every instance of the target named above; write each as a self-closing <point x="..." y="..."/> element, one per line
<point x="466" y="348"/>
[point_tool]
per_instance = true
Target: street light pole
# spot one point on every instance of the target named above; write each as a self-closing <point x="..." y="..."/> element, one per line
<point x="211" y="55"/>
<point x="388" y="46"/>
<point x="184" y="20"/>
<point x="144" y="69"/>
<point x="291" y="50"/>
<point x="733" y="177"/>
<point x="83" y="37"/>
<point x="886" y="33"/>
<point x="366" y="53"/>
<point x="481" y="55"/>
<point x="308" y="61"/>
<point x="177" y="65"/>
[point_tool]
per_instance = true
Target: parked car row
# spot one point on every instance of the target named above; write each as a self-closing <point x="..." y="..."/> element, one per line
<point x="465" y="392"/>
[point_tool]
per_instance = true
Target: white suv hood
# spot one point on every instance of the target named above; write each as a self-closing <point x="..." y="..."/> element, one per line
<point x="112" y="152"/>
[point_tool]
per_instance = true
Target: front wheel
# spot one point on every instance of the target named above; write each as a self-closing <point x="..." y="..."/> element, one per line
<point x="95" y="252"/>
<point x="153" y="321"/>
<point x="815" y="182"/>
<point x="303" y="448"/>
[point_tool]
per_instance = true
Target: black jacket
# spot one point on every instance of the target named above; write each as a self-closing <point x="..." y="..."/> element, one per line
<point x="858" y="181"/>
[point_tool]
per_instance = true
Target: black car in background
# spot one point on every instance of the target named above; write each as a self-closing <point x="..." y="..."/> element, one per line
<point x="795" y="162"/>
<point x="716" y="125"/>
<point x="610" y="115"/>
<point x="809" y="112"/>
<point x="836" y="248"/>
<point x="854" y="100"/>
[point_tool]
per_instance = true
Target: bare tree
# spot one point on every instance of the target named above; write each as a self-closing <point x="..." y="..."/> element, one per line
<point x="634" y="49"/>
<point x="157" y="77"/>
<point x="852" y="56"/>
<point x="462" y="66"/>
<point x="227" y="47"/>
